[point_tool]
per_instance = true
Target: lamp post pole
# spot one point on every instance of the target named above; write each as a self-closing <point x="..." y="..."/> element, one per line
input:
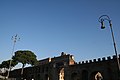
<point x="101" y="20"/>
<point x="14" y="38"/>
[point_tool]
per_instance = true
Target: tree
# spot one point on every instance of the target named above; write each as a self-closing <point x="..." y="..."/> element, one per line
<point x="25" y="57"/>
<point x="6" y="64"/>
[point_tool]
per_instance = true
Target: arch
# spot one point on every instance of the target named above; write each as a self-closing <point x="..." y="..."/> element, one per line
<point x="61" y="74"/>
<point x="98" y="76"/>
<point x="93" y="74"/>
<point x="84" y="75"/>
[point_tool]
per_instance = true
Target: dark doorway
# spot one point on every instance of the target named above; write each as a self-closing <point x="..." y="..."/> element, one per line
<point x="84" y="75"/>
<point x="74" y="76"/>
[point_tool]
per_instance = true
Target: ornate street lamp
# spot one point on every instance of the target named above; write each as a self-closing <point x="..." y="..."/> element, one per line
<point x="14" y="38"/>
<point x="107" y="18"/>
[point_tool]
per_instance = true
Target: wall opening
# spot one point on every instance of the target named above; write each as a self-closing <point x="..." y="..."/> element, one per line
<point x="93" y="75"/>
<point x="84" y="75"/>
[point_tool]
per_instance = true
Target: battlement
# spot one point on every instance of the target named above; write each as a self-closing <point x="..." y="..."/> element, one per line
<point x="100" y="59"/>
<point x="62" y="58"/>
<point x="65" y="57"/>
<point x="44" y="61"/>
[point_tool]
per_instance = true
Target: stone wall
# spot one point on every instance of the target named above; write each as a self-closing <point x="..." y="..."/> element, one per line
<point x="64" y="67"/>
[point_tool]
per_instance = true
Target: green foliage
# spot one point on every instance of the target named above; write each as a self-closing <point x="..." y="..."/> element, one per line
<point x="25" y="57"/>
<point x="5" y="64"/>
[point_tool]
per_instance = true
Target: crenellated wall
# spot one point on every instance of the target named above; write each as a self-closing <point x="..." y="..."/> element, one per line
<point x="87" y="70"/>
<point x="53" y="68"/>
<point x="109" y="58"/>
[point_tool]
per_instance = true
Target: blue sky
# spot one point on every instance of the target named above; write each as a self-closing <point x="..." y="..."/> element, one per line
<point x="49" y="27"/>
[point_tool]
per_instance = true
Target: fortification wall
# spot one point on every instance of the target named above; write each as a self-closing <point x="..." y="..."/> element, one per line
<point x="107" y="66"/>
<point x="104" y="59"/>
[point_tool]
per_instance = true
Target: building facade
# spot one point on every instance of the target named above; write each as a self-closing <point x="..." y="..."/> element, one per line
<point x="64" y="67"/>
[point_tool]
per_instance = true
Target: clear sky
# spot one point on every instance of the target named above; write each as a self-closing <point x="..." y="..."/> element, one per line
<point x="49" y="27"/>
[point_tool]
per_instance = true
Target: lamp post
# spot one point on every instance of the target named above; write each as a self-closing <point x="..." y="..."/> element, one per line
<point x="107" y="18"/>
<point x="14" y="38"/>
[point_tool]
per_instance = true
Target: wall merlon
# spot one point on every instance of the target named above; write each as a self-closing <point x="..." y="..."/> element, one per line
<point x="99" y="59"/>
<point x="86" y="61"/>
<point x="103" y="59"/>
<point x="114" y="57"/>
<point x="79" y="63"/>
<point x="90" y="61"/>
<point x="108" y="58"/>
<point x="94" y="60"/>
<point x="82" y="62"/>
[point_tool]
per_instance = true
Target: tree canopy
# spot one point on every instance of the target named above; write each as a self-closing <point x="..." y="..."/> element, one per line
<point x="25" y="57"/>
<point x="20" y="56"/>
<point x="6" y="64"/>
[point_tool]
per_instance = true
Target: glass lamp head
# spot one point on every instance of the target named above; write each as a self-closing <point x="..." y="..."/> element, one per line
<point x="102" y="25"/>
